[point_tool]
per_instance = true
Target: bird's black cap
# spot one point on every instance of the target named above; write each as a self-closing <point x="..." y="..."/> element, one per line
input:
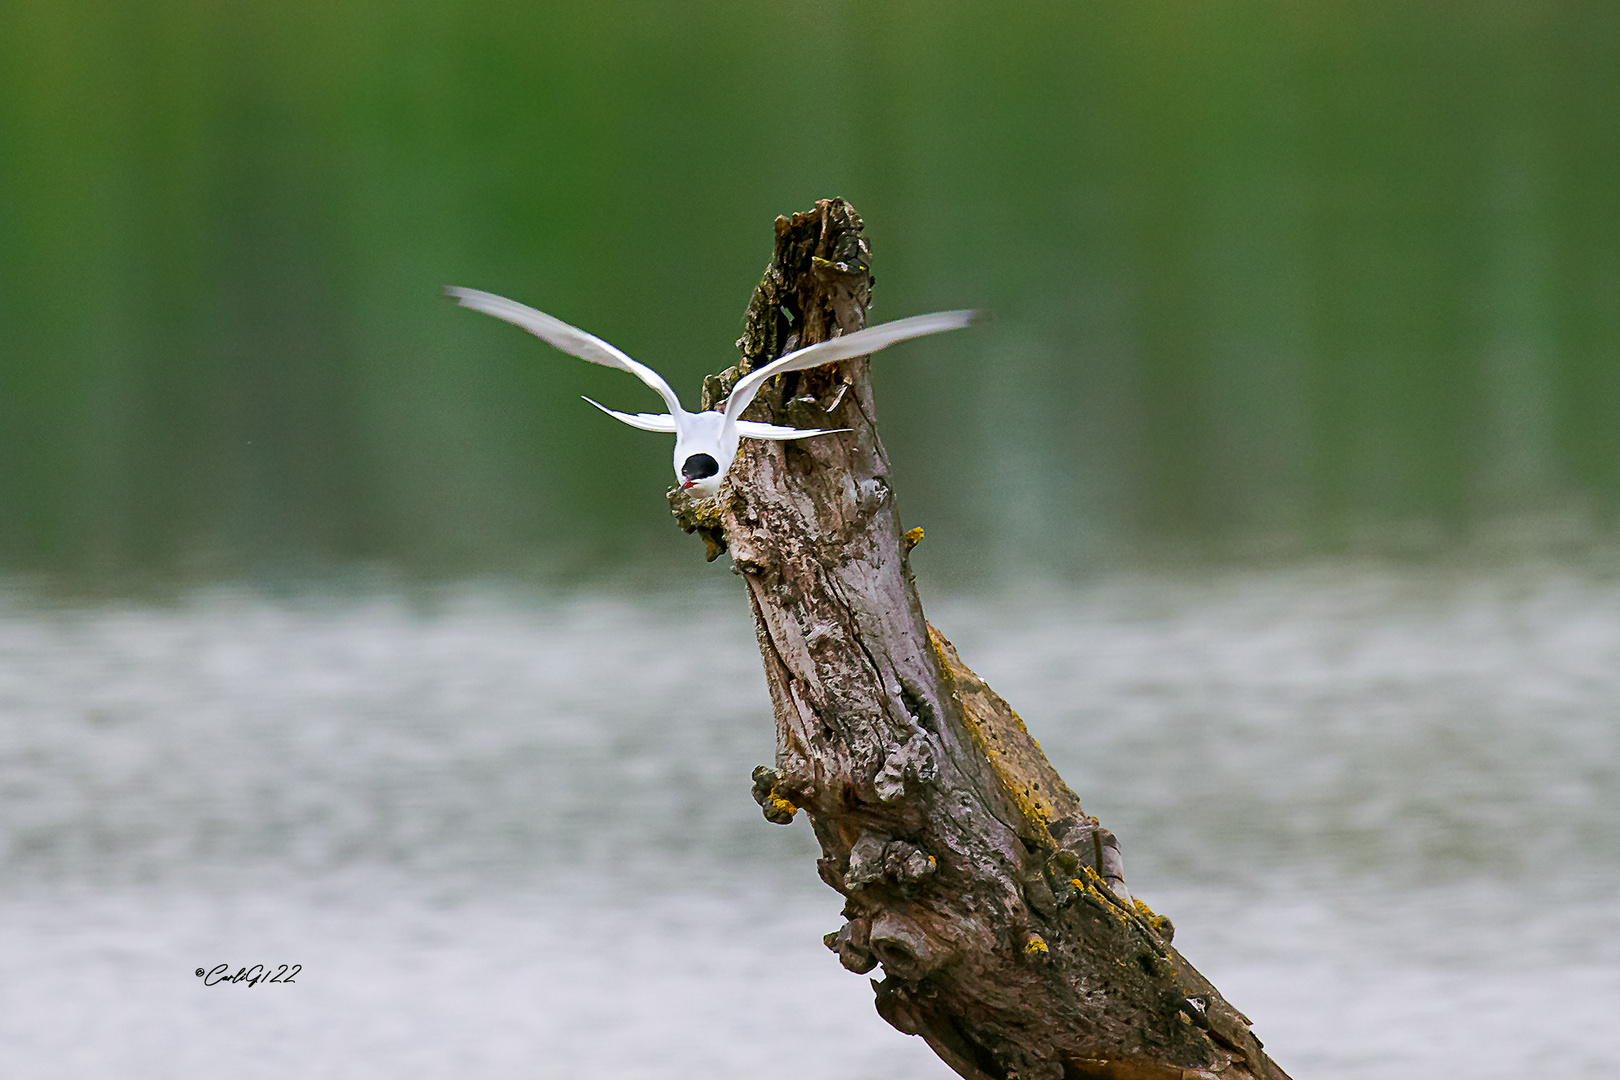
<point x="699" y="466"/>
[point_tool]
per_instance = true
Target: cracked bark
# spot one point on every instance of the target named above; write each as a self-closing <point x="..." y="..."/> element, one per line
<point x="996" y="907"/>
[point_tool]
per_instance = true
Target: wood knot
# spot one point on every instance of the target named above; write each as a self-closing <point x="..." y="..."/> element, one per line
<point x="852" y="943"/>
<point x="1161" y="924"/>
<point x="1058" y="882"/>
<point x="875" y="859"/>
<point x="1087" y="850"/>
<point x="902" y="947"/>
<point x="898" y="1008"/>
<point x="866" y="861"/>
<point x="702" y="516"/>
<point x="777" y="808"/>
<point x="904" y="863"/>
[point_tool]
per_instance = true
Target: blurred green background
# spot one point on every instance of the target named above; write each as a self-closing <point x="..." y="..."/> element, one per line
<point x="1266" y="278"/>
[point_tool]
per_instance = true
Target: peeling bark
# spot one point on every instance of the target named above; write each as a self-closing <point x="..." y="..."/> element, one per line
<point x="996" y="907"/>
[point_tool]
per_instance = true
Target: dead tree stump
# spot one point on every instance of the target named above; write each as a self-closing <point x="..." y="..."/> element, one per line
<point x="997" y="908"/>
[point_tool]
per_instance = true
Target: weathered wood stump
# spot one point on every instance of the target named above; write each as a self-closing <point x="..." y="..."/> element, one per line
<point x="997" y="908"/>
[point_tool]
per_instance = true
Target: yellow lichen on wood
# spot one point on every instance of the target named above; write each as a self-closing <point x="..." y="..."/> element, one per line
<point x="702" y="516"/>
<point x="1095" y="885"/>
<point x="1025" y="776"/>
<point x="1161" y="925"/>
<point x="779" y="810"/>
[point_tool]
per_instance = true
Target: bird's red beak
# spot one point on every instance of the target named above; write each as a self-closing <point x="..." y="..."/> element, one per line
<point x="688" y="484"/>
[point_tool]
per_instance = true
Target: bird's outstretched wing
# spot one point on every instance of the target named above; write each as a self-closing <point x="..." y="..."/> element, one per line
<point x="749" y="429"/>
<point x="858" y="343"/>
<point x="570" y="339"/>
<point x="646" y="421"/>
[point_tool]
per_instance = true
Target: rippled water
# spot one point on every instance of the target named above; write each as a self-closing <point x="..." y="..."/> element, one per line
<point x="511" y="835"/>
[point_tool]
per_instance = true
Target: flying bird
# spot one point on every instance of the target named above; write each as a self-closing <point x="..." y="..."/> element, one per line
<point x="706" y="442"/>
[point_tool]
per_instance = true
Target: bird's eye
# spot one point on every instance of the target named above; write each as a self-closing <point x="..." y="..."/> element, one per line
<point x="699" y="466"/>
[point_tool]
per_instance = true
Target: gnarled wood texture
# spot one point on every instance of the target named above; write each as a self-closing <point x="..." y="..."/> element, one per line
<point x="996" y="907"/>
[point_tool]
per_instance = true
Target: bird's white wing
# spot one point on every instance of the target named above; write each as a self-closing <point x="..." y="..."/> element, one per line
<point x="748" y="429"/>
<point x="646" y="421"/>
<point x="570" y="339"/>
<point x="859" y="343"/>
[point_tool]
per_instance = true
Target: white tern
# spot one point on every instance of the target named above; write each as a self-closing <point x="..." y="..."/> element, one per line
<point x="706" y="442"/>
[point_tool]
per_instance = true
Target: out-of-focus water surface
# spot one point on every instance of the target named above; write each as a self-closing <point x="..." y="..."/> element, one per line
<point x="511" y="835"/>
<point x="1264" y="275"/>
